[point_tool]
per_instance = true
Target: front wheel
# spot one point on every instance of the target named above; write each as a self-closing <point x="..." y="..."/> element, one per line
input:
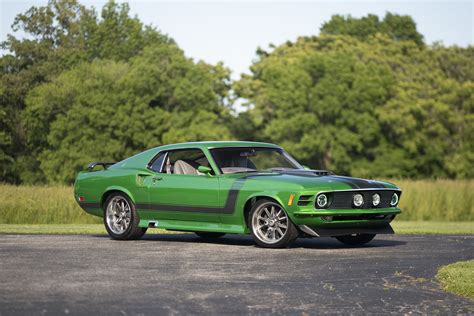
<point x="270" y="225"/>
<point x="356" y="239"/>
<point x="121" y="219"/>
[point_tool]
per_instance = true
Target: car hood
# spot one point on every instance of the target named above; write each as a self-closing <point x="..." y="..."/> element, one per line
<point x="313" y="179"/>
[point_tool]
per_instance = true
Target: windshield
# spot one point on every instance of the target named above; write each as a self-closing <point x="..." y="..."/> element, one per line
<point x="248" y="159"/>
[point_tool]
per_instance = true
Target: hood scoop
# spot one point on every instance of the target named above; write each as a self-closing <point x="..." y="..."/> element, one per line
<point x="306" y="173"/>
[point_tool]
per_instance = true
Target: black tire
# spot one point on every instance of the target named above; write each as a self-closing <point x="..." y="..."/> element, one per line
<point x="284" y="240"/>
<point x="132" y="231"/>
<point x="356" y="240"/>
<point x="209" y="234"/>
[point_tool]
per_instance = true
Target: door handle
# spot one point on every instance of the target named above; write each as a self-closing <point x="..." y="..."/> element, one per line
<point x="156" y="178"/>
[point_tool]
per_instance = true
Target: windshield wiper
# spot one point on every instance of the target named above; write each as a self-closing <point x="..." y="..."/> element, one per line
<point x="279" y="169"/>
<point x="246" y="171"/>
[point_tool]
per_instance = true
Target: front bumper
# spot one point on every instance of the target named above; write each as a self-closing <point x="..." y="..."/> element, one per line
<point x="341" y="216"/>
<point x="337" y="222"/>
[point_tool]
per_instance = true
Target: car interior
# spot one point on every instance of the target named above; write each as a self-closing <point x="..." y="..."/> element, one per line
<point x="185" y="162"/>
<point x="188" y="161"/>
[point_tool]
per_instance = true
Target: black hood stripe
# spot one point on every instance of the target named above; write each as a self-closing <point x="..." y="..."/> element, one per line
<point x="357" y="183"/>
<point x="345" y="181"/>
<point x="354" y="183"/>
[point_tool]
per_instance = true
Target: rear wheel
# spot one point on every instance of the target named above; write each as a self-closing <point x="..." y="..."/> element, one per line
<point x="356" y="239"/>
<point x="270" y="225"/>
<point x="209" y="234"/>
<point x="121" y="219"/>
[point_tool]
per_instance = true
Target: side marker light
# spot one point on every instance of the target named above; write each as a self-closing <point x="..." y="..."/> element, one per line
<point x="290" y="200"/>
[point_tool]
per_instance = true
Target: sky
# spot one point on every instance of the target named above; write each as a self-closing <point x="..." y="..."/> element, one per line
<point x="231" y="31"/>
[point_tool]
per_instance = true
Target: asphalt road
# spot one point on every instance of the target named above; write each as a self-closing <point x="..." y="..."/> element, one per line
<point x="183" y="274"/>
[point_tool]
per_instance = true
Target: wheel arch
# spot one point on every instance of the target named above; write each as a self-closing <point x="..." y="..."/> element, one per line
<point x="250" y="202"/>
<point x="115" y="189"/>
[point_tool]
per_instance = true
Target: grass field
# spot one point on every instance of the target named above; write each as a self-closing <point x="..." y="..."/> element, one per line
<point x="41" y="205"/>
<point x="422" y="200"/>
<point x="437" y="200"/>
<point x="458" y="278"/>
<point x="419" y="227"/>
<point x="400" y="227"/>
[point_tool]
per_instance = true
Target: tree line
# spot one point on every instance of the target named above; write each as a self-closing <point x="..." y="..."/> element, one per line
<point x="365" y="97"/>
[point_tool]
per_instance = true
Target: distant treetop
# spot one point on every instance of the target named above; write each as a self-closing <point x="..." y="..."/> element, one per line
<point x="397" y="27"/>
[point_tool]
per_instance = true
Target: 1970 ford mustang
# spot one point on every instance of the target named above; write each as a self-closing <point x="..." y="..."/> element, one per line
<point x="218" y="188"/>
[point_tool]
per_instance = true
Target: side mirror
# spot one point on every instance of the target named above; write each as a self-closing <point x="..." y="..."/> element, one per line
<point x="306" y="168"/>
<point x="205" y="170"/>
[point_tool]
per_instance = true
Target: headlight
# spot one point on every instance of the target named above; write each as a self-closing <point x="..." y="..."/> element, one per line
<point x="394" y="200"/>
<point x="358" y="200"/>
<point x="375" y="199"/>
<point x="322" y="200"/>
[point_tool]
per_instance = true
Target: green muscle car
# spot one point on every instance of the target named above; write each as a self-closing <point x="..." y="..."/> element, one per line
<point x="218" y="188"/>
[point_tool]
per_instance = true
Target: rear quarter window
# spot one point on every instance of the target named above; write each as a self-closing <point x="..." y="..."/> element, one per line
<point x="157" y="163"/>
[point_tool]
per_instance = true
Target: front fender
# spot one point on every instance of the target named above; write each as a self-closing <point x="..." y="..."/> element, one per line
<point x="275" y="195"/>
<point x="278" y="196"/>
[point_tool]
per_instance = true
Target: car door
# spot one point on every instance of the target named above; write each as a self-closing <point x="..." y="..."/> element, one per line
<point x="179" y="192"/>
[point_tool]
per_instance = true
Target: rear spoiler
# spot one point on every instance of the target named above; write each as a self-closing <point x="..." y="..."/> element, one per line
<point x="92" y="165"/>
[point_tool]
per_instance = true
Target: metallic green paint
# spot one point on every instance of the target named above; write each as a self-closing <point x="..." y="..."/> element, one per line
<point x="219" y="202"/>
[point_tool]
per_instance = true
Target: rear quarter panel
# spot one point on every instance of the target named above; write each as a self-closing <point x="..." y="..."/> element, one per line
<point x="94" y="187"/>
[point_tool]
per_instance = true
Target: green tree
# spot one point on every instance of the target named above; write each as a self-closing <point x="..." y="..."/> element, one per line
<point x="377" y="107"/>
<point x="60" y="35"/>
<point x="109" y="110"/>
<point x="397" y="27"/>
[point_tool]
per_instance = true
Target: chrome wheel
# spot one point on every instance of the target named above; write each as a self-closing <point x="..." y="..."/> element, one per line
<point x="118" y="215"/>
<point x="270" y="223"/>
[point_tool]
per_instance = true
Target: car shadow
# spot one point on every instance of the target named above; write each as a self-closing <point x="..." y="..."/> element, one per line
<point x="242" y="240"/>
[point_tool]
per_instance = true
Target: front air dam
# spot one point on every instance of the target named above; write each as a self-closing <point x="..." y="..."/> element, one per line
<point x="331" y="232"/>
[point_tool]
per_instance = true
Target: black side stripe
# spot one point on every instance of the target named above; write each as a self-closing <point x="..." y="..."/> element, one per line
<point x="231" y="201"/>
<point x="228" y="207"/>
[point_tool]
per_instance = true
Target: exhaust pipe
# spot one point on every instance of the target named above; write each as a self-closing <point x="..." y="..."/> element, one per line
<point x="152" y="224"/>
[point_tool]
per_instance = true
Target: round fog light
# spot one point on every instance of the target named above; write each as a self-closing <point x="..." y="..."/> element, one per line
<point x="376" y="199"/>
<point x="326" y="218"/>
<point x="358" y="200"/>
<point x="322" y="200"/>
<point x="394" y="200"/>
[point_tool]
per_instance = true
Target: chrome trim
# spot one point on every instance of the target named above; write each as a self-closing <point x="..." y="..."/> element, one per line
<point x="318" y="211"/>
<point x="352" y="190"/>
<point x="398" y="200"/>
<point x="308" y="230"/>
<point x="163" y="162"/>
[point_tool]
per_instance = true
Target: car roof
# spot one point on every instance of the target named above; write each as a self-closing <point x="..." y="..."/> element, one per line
<point x="144" y="157"/>
<point x="216" y="144"/>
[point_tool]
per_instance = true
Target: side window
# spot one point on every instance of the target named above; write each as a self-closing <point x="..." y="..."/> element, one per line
<point x="185" y="161"/>
<point x="157" y="163"/>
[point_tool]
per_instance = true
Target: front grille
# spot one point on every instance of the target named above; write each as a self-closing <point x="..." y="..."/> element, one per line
<point x="343" y="199"/>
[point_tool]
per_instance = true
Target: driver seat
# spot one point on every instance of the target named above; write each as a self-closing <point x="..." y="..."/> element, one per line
<point x="183" y="167"/>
